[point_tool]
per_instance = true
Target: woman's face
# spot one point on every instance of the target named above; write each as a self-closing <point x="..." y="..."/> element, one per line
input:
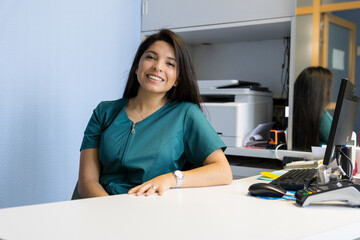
<point x="157" y="71"/>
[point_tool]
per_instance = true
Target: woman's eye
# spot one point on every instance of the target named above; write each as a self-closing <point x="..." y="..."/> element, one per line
<point x="150" y="57"/>
<point x="171" y="64"/>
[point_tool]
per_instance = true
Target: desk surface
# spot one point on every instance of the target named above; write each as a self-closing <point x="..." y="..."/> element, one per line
<point x="222" y="212"/>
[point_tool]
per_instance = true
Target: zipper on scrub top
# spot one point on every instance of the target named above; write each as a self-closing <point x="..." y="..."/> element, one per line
<point x="133" y="128"/>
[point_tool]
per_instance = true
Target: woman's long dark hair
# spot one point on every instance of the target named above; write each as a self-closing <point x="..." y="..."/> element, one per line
<point x="187" y="88"/>
<point x="312" y="92"/>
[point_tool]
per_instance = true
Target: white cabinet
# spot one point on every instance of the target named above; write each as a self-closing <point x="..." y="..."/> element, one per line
<point x="231" y="39"/>
<point x="189" y="13"/>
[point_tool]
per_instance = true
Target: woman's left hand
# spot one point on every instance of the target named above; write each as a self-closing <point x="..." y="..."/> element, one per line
<point x="159" y="184"/>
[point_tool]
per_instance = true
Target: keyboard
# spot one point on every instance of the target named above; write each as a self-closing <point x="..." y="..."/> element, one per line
<point x="296" y="179"/>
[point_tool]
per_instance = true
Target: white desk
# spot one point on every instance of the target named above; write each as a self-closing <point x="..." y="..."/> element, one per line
<point x="223" y="212"/>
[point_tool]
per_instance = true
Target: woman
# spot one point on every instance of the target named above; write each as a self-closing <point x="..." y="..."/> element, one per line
<point x="312" y="122"/>
<point x="139" y="143"/>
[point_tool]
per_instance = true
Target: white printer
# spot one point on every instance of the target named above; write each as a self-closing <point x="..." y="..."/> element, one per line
<point x="234" y="108"/>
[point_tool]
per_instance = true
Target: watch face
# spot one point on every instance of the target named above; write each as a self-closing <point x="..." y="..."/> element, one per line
<point x="178" y="174"/>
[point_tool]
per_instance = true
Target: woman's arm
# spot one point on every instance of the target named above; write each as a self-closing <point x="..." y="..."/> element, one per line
<point x="89" y="173"/>
<point x="216" y="171"/>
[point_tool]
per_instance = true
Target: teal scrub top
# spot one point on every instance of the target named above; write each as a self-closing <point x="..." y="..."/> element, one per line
<point x="325" y="126"/>
<point x="161" y="143"/>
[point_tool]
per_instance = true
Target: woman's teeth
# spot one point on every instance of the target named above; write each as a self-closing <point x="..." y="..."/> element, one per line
<point x="155" y="78"/>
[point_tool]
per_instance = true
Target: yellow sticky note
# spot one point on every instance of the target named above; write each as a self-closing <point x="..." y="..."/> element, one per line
<point x="270" y="175"/>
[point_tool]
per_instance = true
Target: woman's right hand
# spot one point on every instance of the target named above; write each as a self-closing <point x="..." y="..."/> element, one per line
<point x="158" y="184"/>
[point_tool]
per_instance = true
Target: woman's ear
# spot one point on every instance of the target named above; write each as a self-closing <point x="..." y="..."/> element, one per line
<point x="176" y="82"/>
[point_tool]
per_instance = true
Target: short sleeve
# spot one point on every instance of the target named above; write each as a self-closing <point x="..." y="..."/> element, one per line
<point x="102" y="117"/>
<point x="92" y="132"/>
<point x="200" y="138"/>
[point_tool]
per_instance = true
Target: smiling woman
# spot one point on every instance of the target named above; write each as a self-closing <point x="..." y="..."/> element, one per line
<point x="157" y="71"/>
<point x="140" y="143"/>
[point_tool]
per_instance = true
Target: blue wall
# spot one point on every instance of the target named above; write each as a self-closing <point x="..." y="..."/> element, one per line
<point x="58" y="59"/>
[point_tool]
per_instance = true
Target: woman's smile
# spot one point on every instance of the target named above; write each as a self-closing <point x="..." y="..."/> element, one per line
<point x="154" y="78"/>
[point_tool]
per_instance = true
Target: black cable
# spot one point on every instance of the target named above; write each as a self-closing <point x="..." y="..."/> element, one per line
<point x="284" y="78"/>
<point x="351" y="168"/>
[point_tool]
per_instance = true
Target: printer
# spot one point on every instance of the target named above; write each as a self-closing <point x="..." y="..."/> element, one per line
<point x="234" y="108"/>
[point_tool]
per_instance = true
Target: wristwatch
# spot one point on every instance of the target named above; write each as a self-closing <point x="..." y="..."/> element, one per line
<point x="179" y="178"/>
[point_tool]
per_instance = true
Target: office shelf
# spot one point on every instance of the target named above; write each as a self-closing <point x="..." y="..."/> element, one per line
<point x="266" y="153"/>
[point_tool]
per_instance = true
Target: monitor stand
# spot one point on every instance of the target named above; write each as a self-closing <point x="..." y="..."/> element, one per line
<point x="335" y="171"/>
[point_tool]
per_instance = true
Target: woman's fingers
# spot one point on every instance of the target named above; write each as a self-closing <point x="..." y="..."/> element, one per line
<point x="145" y="188"/>
<point x="159" y="184"/>
<point x="152" y="189"/>
<point x="134" y="189"/>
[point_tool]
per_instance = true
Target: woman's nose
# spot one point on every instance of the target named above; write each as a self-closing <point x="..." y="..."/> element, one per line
<point x="158" y="66"/>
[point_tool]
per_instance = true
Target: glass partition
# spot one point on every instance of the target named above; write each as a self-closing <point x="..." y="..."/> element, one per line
<point x="328" y="35"/>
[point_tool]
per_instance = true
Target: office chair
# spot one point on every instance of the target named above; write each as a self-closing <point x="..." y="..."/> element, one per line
<point x="76" y="194"/>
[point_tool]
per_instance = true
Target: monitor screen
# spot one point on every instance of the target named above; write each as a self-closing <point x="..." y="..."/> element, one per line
<point x="343" y="120"/>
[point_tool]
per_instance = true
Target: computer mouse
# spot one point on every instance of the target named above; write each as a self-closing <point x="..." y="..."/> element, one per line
<point x="266" y="190"/>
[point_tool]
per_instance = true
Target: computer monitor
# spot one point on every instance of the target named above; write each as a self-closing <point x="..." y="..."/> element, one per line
<point x="343" y="122"/>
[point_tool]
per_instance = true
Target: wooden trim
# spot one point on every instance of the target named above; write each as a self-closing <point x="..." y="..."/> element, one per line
<point x="304" y="10"/>
<point x="341" y="22"/>
<point x="329" y="7"/>
<point x="316" y="33"/>
<point x="340" y="6"/>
